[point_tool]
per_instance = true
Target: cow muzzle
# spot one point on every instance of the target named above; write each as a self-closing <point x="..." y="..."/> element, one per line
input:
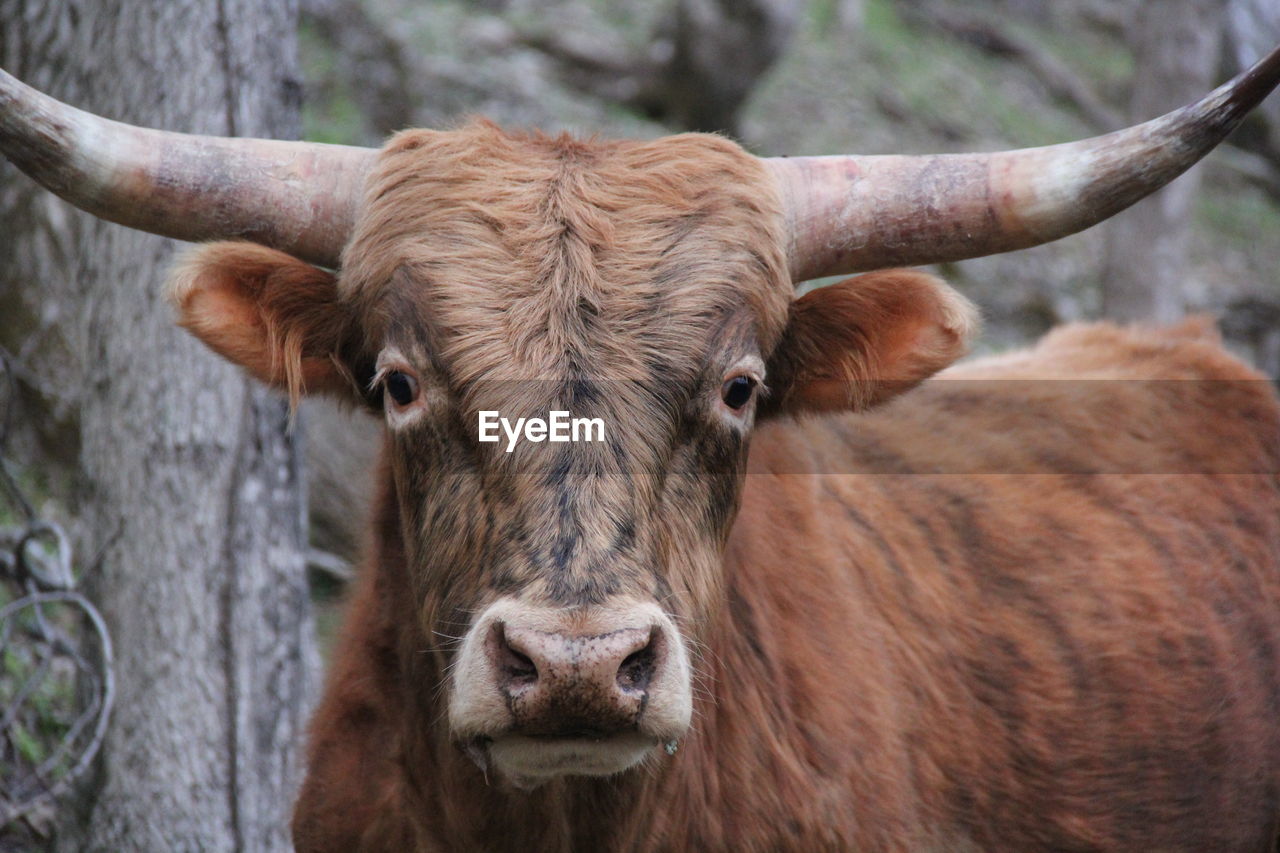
<point x="544" y="692"/>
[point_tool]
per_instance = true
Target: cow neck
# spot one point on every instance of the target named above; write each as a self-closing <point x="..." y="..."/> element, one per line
<point x="455" y="805"/>
<point x="704" y="795"/>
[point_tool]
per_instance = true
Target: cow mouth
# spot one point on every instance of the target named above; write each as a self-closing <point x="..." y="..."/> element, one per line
<point x="542" y="692"/>
<point x="528" y="761"/>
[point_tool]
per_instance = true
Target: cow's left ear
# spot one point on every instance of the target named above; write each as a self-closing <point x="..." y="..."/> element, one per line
<point x="860" y="342"/>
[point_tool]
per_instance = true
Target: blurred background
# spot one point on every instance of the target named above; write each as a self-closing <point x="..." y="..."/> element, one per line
<point x="206" y="527"/>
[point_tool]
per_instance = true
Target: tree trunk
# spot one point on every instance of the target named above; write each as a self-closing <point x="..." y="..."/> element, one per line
<point x="1177" y="45"/>
<point x="188" y="474"/>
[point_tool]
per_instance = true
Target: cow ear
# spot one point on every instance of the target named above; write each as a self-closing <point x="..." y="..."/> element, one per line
<point x="860" y="342"/>
<point x="270" y="313"/>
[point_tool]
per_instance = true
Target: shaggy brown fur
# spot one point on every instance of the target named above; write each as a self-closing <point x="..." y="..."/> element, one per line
<point x="927" y="627"/>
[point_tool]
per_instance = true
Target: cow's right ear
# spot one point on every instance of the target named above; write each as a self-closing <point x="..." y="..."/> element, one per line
<point x="274" y="315"/>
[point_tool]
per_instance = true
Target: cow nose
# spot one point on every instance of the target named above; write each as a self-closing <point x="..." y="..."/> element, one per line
<point x="562" y="685"/>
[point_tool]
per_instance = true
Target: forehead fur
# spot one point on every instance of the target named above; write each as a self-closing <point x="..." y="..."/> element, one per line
<point x="535" y="256"/>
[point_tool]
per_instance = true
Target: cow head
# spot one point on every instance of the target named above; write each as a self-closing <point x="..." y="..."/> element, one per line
<point x="562" y="586"/>
<point x="560" y="590"/>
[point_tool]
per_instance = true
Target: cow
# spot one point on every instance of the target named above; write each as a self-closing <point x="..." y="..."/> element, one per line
<point x="794" y="600"/>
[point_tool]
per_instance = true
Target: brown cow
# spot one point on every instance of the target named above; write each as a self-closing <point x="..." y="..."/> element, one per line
<point x="1041" y="619"/>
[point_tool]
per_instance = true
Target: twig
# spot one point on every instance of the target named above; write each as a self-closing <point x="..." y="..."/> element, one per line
<point x="38" y="581"/>
<point x="330" y="564"/>
<point x="10" y="811"/>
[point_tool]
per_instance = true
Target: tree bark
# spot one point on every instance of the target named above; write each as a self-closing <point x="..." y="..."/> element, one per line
<point x="1177" y="47"/>
<point x="188" y="474"/>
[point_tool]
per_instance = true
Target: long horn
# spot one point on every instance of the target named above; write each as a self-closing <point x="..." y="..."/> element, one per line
<point x="850" y="214"/>
<point x="300" y="197"/>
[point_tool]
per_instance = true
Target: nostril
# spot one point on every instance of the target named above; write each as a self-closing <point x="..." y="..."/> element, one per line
<point x="636" y="670"/>
<point x="515" y="668"/>
<point x="518" y="668"/>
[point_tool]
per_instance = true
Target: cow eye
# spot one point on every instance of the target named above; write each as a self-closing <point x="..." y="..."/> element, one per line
<point x="400" y="387"/>
<point x="737" y="391"/>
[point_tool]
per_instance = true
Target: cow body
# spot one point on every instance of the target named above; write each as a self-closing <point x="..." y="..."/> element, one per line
<point x="985" y="616"/>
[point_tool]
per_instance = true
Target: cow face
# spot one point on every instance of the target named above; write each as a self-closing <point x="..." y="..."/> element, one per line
<point x="640" y="286"/>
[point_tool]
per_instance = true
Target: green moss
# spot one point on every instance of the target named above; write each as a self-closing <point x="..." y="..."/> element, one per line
<point x="1244" y="218"/>
<point x="29" y="747"/>
<point x="331" y="117"/>
<point x="338" y="121"/>
<point x="882" y="24"/>
<point x="922" y="89"/>
<point x="328" y="597"/>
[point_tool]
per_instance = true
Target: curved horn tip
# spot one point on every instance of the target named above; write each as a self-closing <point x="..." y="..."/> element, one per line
<point x="850" y="214"/>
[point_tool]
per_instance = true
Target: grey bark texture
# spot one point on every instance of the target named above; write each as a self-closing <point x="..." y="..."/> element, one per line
<point x="187" y="473"/>
<point x="1177" y="46"/>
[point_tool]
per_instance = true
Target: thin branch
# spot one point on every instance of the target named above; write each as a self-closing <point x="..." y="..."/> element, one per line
<point x="330" y="564"/>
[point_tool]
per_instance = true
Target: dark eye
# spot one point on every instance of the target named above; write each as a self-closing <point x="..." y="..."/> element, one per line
<point x="736" y="392"/>
<point x="401" y="387"/>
